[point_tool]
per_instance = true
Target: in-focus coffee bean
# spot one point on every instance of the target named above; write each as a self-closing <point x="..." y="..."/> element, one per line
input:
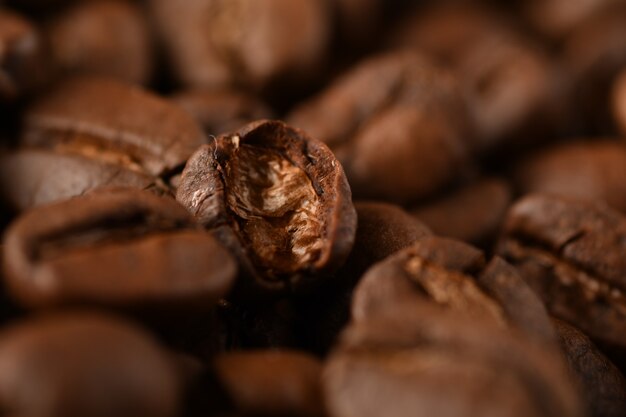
<point x="277" y="198"/>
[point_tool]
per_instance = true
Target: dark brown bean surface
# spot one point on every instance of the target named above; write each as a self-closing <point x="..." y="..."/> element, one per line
<point x="105" y="37"/>
<point x="583" y="170"/>
<point x="394" y="119"/>
<point x="119" y="248"/>
<point x="472" y="213"/>
<point x="221" y="43"/>
<point x="382" y="229"/>
<point x="557" y="18"/>
<point x="31" y="177"/>
<point x="442" y="363"/>
<point x="221" y="112"/>
<point x="106" y="119"/>
<point x="282" y="194"/>
<point x="511" y="83"/>
<point x="84" y="364"/>
<point x="21" y="55"/>
<point x="619" y="101"/>
<point x="593" y="55"/>
<point x="603" y="385"/>
<point x="276" y="383"/>
<point x="572" y="254"/>
<point x="455" y="275"/>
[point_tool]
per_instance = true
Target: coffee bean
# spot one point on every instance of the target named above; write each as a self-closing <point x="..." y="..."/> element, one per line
<point x="604" y="387"/>
<point x="30" y="177"/>
<point x="472" y="213"/>
<point x="425" y="360"/>
<point x="593" y="56"/>
<point x="619" y="101"/>
<point x="557" y="18"/>
<point x="117" y="248"/>
<point x="22" y="56"/>
<point x="592" y="170"/>
<point x="105" y="37"/>
<point x="112" y="121"/>
<point x="514" y="93"/>
<point x="217" y="43"/>
<point x="277" y="383"/>
<point x="455" y="275"/>
<point x="220" y="112"/>
<point x="572" y="254"/>
<point x="278" y="199"/>
<point x="397" y="123"/>
<point x="84" y="364"/>
<point x="382" y="230"/>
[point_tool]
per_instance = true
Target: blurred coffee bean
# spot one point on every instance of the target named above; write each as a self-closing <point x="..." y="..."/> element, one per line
<point x="584" y="170"/>
<point x="604" y="387"/>
<point x="111" y="121"/>
<point x="382" y="229"/>
<point x="472" y="213"/>
<point x="557" y="18"/>
<point x="30" y="177"/>
<point x="441" y="363"/>
<point x="83" y="364"/>
<point x="23" y="63"/>
<point x="511" y="83"/>
<point x="593" y="56"/>
<point x="455" y="275"/>
<point x="619" y="102"/>
<point x="278" y="198"/>
<point x="105" y="37"/>
<point x="118" y="248"/>
<point x="572" y="254"/>
<point x="257" y="45"/>
<point x="397" y="123"/>
<point x="271" y="383"/>
<point x="220" y="112"/>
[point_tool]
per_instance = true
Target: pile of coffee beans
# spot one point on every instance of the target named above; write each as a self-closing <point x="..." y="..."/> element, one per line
<point x="313" y="208"/>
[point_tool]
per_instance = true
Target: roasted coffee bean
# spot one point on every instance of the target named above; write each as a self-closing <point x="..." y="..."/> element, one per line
<point x="424" y="360"/>
<point x="271" y="383"/>
<point x="120" y="248"/>
<point x="84" y="364"/>
<point x="105" y="37"/>
<point x="583" y="170"/>
<point x="513" y="90"/>
<point x="593" y="55"/>
<point x="619" y="101"/>
<point x="22" y="56"/>
<point x="30" y="177"/>
<point x="557" y="18"/>
<point x="604" y="387"/>
<point x="382" y="229"/>
<point x="397" y="123"/>
<point x="277" y="198"/>
<point x="572" y="254"/>
<point x="222" y="43"/>
<point x="221" y="112"/>
<point x="108" y="120"/>
<point x="472" y="213"/>
<point x="455" y="275"/>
